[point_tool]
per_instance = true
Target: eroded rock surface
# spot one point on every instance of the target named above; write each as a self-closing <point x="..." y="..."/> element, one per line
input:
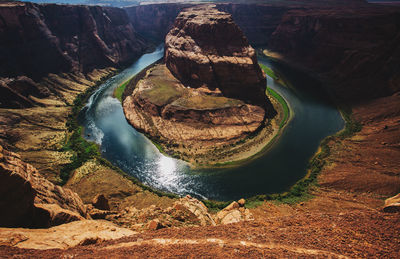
<point x="207" y="49"/>
<point x="28" y="199"/>
<point x="186" y="211"/>
<point x="208" y="96"/>
<point x="85" y="232"/>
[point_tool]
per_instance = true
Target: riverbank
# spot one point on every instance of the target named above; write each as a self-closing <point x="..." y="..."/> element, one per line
<point x="205" y="153"/>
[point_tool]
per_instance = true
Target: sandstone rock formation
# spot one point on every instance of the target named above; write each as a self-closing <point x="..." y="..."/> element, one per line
<point x="207" y="49"/>
<point x="209" y="95"/>
<point x="233" y="213"/>
<point x="28" y="199"/>
<point x="100" y="202"/>
<point x="37" y="40"/>
<point x="392" y="204"/>
<point x="342" y="46"/>
<point x="69" y="235"/>
<point x="186" y="211"/>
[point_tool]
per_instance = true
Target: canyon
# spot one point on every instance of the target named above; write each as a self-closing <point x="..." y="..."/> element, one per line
<point x="48" y="60"/>
<point x="207" y="96"/>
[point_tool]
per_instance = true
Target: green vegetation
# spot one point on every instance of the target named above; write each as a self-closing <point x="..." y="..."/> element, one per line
<point x="81" y="150"/>
<point x="285" y="106"/>
<point x="269" y="72"/>
<point x="118" y="92"/>
<point x="352" y="126"/>
<point x="300" y="191"/>
<point x="162" y="94"/>
<point x="207" y="102"/>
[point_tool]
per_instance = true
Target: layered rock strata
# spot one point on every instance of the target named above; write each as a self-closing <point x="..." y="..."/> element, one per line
<point x="207" y="49"/>
<point x="28" y="199"/>
<point x="36" y="40"/>
<point x="355" y="49"/>
<point x="209" y="94"/>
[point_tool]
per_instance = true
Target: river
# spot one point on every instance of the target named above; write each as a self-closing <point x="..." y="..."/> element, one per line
<point x="275" y="171"/>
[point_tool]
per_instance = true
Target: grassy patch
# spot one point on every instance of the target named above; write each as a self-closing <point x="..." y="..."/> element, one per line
<point x="162" y="94"/>
<point x="269" y="72"/>
<point x="285" y="106"/>
<point x="207" y="102"/>
<point x="120" y="90"/>
<point x="82" y="150"/>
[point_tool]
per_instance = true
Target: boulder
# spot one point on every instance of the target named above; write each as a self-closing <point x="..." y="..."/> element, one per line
<point x="29" y="200"/>
<point x="233" y="213"/>
<point x="101" y="202"/>
<point x="392" y="204"/>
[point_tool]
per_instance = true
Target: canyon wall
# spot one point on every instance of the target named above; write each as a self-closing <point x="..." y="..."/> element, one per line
<point x="36" y="40"/>
<point x="356" y="50"/>
<point x="153" y="21"/>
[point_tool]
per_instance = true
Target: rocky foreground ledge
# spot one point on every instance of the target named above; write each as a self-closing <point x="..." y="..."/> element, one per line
<point x="209" y="96"/>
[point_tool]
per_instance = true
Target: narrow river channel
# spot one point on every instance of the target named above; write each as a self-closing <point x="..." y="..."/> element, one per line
<point x="275" y="171"/>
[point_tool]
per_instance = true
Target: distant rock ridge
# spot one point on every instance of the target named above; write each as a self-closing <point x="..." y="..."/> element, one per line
<point x="37" y="40"/>
<point x="207" y="49"/>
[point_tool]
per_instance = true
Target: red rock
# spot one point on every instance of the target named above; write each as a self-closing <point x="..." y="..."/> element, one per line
<point x="207" y="49"/>
<point x="101" y="202"/>
<point x="154" y="225"/>
<point x="28" y="199"/>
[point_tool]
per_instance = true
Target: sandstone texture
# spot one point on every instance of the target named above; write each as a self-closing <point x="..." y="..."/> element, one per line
<point x="234" y="213"/>
<point x="37" y="40"/>
<point x="79" y="233"/>
<point x="208" y="96"/>
<point x="28" y="199"/>
<point x="186" y="211"/>
<point x="354" y="49"/>
<point x="392" y="204"/>
<point x="207" y="49"/>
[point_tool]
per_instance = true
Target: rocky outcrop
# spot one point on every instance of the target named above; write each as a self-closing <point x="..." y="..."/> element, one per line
<point x="186" y="211"/>
<point x="36" y="40"/>
<point x="392" y="204"/>
<point x="207" y="49"/>
<point x="100" y="202"/>
<point x="356" y="49"/>
<point x="234" y="213"/>
<point x="210" y="94"/>
<point x="85" y="232"/>
<point x="189" y="123"/>
<point x="28" y="199"/>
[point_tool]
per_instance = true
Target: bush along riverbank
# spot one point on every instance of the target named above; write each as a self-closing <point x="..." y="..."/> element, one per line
<point x="83" y="151"/>
<point x="300" y="191"/>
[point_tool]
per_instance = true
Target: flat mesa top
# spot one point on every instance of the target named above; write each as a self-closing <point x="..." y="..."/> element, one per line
<point x="204" y="14"/>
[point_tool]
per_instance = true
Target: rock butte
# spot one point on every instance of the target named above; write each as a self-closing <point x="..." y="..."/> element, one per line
<point x="209" y="94"/>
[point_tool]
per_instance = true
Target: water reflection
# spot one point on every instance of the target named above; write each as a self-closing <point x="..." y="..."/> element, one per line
<point x="105" y="123"/>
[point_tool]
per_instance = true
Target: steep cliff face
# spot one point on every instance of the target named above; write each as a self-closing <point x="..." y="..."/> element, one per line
<point x="41" y="39"/>
<point x="258" y="22"/>
<point x="28" y="199"/>
<point x="357" y="50"/>
<point x="36" y="40"/>
<point x="155" y="20"/>
<point x="207" y="49"/>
